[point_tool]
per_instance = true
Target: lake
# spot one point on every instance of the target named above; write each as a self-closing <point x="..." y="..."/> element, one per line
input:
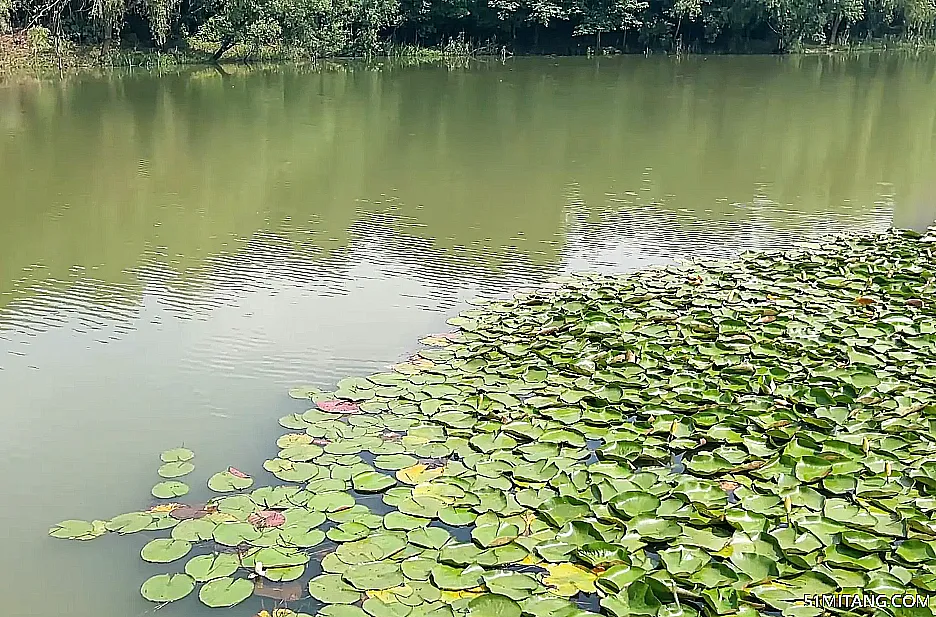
<point x="178" y="249"/>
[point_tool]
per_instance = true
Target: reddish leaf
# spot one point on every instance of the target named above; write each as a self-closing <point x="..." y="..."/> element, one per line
<point x="337" y="405"/>
<point x="266" y="518"/>
<point x="234" y="471"/>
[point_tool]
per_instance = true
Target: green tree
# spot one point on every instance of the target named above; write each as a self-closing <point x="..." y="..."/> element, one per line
<point x="843" y="12"/>
<point x="919" y="16"/>
<point x="688" y="10"/>
<point x="599" y="16"/>
<point x="795" y="21"/>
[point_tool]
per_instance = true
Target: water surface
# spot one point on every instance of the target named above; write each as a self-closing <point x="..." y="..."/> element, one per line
<point x="176" y="250"/>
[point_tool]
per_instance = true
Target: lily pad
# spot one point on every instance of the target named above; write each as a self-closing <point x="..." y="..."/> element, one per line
<point x="374" y="575"/>
<point x="209" y="567"/>
<point x="371" y="482"/>
<point x="225" y="592"/>
<point x="177" y="455"/>
<point x="78" y="530"/>
<point x="131" y="522"/>
<point x="165" y="550"/>
<point x="332" y="589"/>
<point x="170" y="489"/>
<point x="226" y="482"/>
<point x="175" y="469"/>
<point x="167" y="587"/>
<point x="493" y="605"/>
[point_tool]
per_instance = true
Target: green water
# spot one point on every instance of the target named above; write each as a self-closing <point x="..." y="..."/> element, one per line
<point x="176" y="250"/>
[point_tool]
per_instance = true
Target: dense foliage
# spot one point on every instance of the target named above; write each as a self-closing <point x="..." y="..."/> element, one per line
<point x="720" y="439"/>
<point x="332" y="27"/>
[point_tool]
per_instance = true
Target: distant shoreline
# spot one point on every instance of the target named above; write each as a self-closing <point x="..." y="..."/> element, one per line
<point x="19" y="57"/>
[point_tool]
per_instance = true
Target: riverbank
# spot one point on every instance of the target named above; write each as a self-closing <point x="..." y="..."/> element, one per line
<point x="35" y="52"/>
<point x="713" y="438"/>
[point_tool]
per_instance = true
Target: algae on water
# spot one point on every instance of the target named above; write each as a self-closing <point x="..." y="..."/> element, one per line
<point x="715" y="438"/>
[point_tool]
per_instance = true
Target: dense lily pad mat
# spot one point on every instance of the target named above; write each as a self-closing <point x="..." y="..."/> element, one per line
<point x="718" y="438"/>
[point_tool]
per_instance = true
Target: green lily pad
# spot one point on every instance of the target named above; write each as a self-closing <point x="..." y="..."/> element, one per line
<point x="194" y="530"/>
<point x="175" y="469"/>
<point x="342" y="610"/>
<point x="167" y="587"/>
<point x="332" y="589"/>
<point x="235" y="533"/>
<point x="226" y="482"/>
<point x="812" y="468"/>
<point x="170" y="489"/>
<point x="513" y="585"/>
<point x="131" y="522"/>
<point x="165" y="550"/>
<point x="654" y="528"/>
<point x="561" y="510"/>
<point x="372" y="482"/>
<point x="78" y="530"/>
<point x="454" y="578"/>
<point x="225" y="592"/>
<point x="631" y="503"/>
<point x="374" y="575"/>
<point x="177" y="455"/>
<point x="209" y="567"/>
<point x="373" y="548"/>
<point x="404" y="522"/>
<point x="493" y="605"/>
<point x="915" y="551"/>
<point x="394" y="462"/>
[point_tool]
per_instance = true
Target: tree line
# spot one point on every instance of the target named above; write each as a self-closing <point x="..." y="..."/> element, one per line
<point x="367" y="27"/>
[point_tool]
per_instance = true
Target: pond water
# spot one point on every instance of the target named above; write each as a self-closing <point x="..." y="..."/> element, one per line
<point x="178" y="249"/>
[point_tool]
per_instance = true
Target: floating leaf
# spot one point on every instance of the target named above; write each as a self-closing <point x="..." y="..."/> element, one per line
<point x="371" y="482"/>
<point x="568" y="579"/>
<point x="177" y="455"/>
<point x="209" y="567"/>
<point x="331" y="589"/>
<point x="167" y="587"/>
<point x="131" y="522"/>
<point x="338" y="406"/>
<point x="265" y="519"/>
<point x="394" y="462"/>
<point x="304" y="392"/>
<point x="170" y="489"/>
<point x="77" y="530"/>
<point x="454" y="579"/>
<point x="493" y="605"/>
<point x="175" y="469"/>
<point x="228" y="481"/>
<point x="418" y="474"/>
<point x="561" y="510"/>
<point x="225" y="592"/>
<point x="235" y="533"/>
<point x="164" y="550"/>
<point x="374" y="575"/>
<point x="194" y="530"/>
